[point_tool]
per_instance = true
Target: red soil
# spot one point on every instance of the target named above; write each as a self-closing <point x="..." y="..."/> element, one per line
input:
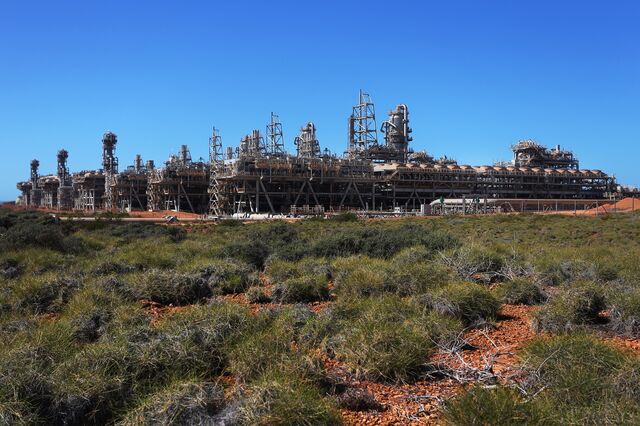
<point x="420" y="402"/>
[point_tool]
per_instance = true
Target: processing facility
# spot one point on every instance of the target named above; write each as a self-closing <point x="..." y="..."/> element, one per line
<point x="260" y="176"/>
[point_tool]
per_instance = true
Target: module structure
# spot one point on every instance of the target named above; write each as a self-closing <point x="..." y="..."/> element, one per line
<point x="260" y="176"/>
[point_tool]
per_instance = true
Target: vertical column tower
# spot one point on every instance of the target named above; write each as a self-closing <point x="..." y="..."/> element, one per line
<point x="363" y="131"/>
<point x="109" y="166"/>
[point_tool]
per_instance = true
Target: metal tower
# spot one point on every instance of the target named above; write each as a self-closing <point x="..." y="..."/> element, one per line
<point x="35" y="164"/>
<point x="275" y="139"/>
<point x="109" y="165"/>
<point x="363" y="131"/>
<point x="63" y="170"/>
<point x="307" y="143"/>
<point x="397" y="133"/>
<point x="216" y="161"/>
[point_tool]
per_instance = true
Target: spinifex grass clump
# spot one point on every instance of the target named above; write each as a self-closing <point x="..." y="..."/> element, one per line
<point x="584" y="380"/>
<point x="520" y="291"/>
<point x="494" y="406"/>
<point x="257" y="294"/>
<point x="272" y="343"/>
<point x="573" y="306"/>
<point x="279" y="270"/>
<point x="132" y="358"/>
<point x="389" y="338"/>
<point x="278" y="398"/>
<point x="569" y="379"/>
<point x="472" y="303"/>
<point x="303" y="289"/>
<point x="381" y="242"/>
<point x="43" y="294"/>
<point x="625" y="312"/>
<point x="226" y="276"/>
<point x="168" y="287"/>
<point x="182" y="403"/>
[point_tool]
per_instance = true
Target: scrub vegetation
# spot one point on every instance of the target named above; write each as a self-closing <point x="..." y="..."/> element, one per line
<point x="108" y="322"/>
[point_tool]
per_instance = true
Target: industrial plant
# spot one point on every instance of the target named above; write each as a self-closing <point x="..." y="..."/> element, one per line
<point x="259" y="176"/>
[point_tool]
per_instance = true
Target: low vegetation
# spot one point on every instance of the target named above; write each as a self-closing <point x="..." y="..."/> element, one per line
<point x="110" y="322"/>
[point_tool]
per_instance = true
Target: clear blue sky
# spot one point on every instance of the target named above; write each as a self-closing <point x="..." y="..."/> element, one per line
<point x="477" y="76"/>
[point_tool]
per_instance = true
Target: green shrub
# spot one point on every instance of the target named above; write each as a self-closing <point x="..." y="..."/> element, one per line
<point x="279" y="270"/>
<point x="380" y="242"/>
<point x="497" y="406"/>
<point x="472" y="259"/>
<point x="169" y="288"/>
<point x="257" y="295"/>
<point x="571" y="307"/>
<point x="344" y="217"/>
<point x="469" y="302"/>
<point x="259" y="351"/>
<point x="304" y="289"/>
<point x="625" y="312"/>
<point x="277" y="398"/>
<point x="387" y="338"/>
<point x="573" y="370"/>
<point x="412" y="255"/>
<point x="90" y="310"/>
<point x="253" y="252"/>
<point x="415" y="278"/>
<point x="132" y="358"/>
<point x="520" y="291"/>
<point x="41" y="295"/>
<point x="187" y="403"/>
<point x="227" y="276"/>
<point x="363" y="278"/>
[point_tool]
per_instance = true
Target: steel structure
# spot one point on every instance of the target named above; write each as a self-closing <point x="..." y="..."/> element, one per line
<point x="109" y="167"/>
<point x="275" y="137"/>
<point x="260" y="176"/>
<point x="128" y="190"/>
<point x="216" y="206"/>
<point x="181" y="185"/>
<point x="363" y="132"/>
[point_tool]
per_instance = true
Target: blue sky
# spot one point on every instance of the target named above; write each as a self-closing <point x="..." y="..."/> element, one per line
<point x="477" y="76"/>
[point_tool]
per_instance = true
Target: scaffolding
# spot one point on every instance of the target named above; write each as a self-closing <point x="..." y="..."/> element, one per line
<point x="262" y="177"/>
<point x="128" y="190"/>
<point x="182" y="185"/>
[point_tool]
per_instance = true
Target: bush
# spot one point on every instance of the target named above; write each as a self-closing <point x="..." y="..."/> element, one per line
<point x="281" y="399"/>
<point x="469" y="302"/>
<point x="270" y="345"/>
<point x="497" y="406"/>
<point x="304" y="289"/>
<point x="410" y="279"/>
<point x="471" y="260"/>
<point x="572" y="307"/>
<point x="227" y="276"/>
<point x="279" y="270"/>
<point x="344" y="217"/>
<point x="625" y="312"/>
<point x="574" y="370"/>
<point x="380" y="242"/>
<point x="520" y="291"/>
<point x="360" y="277"/>
<point x="253" y="252"/>
<point x="168" y="288"/>
<point x="188" y="403"/>
<point x="257" y="295"/>
<point x="132" y="358"/>
<point x="387" y="338"/>
<point x="44" y="296"/>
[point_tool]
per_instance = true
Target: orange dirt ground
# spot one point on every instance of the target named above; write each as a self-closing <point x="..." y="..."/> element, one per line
<point x="623" y="206"/>
<point x="419" y="402"/>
